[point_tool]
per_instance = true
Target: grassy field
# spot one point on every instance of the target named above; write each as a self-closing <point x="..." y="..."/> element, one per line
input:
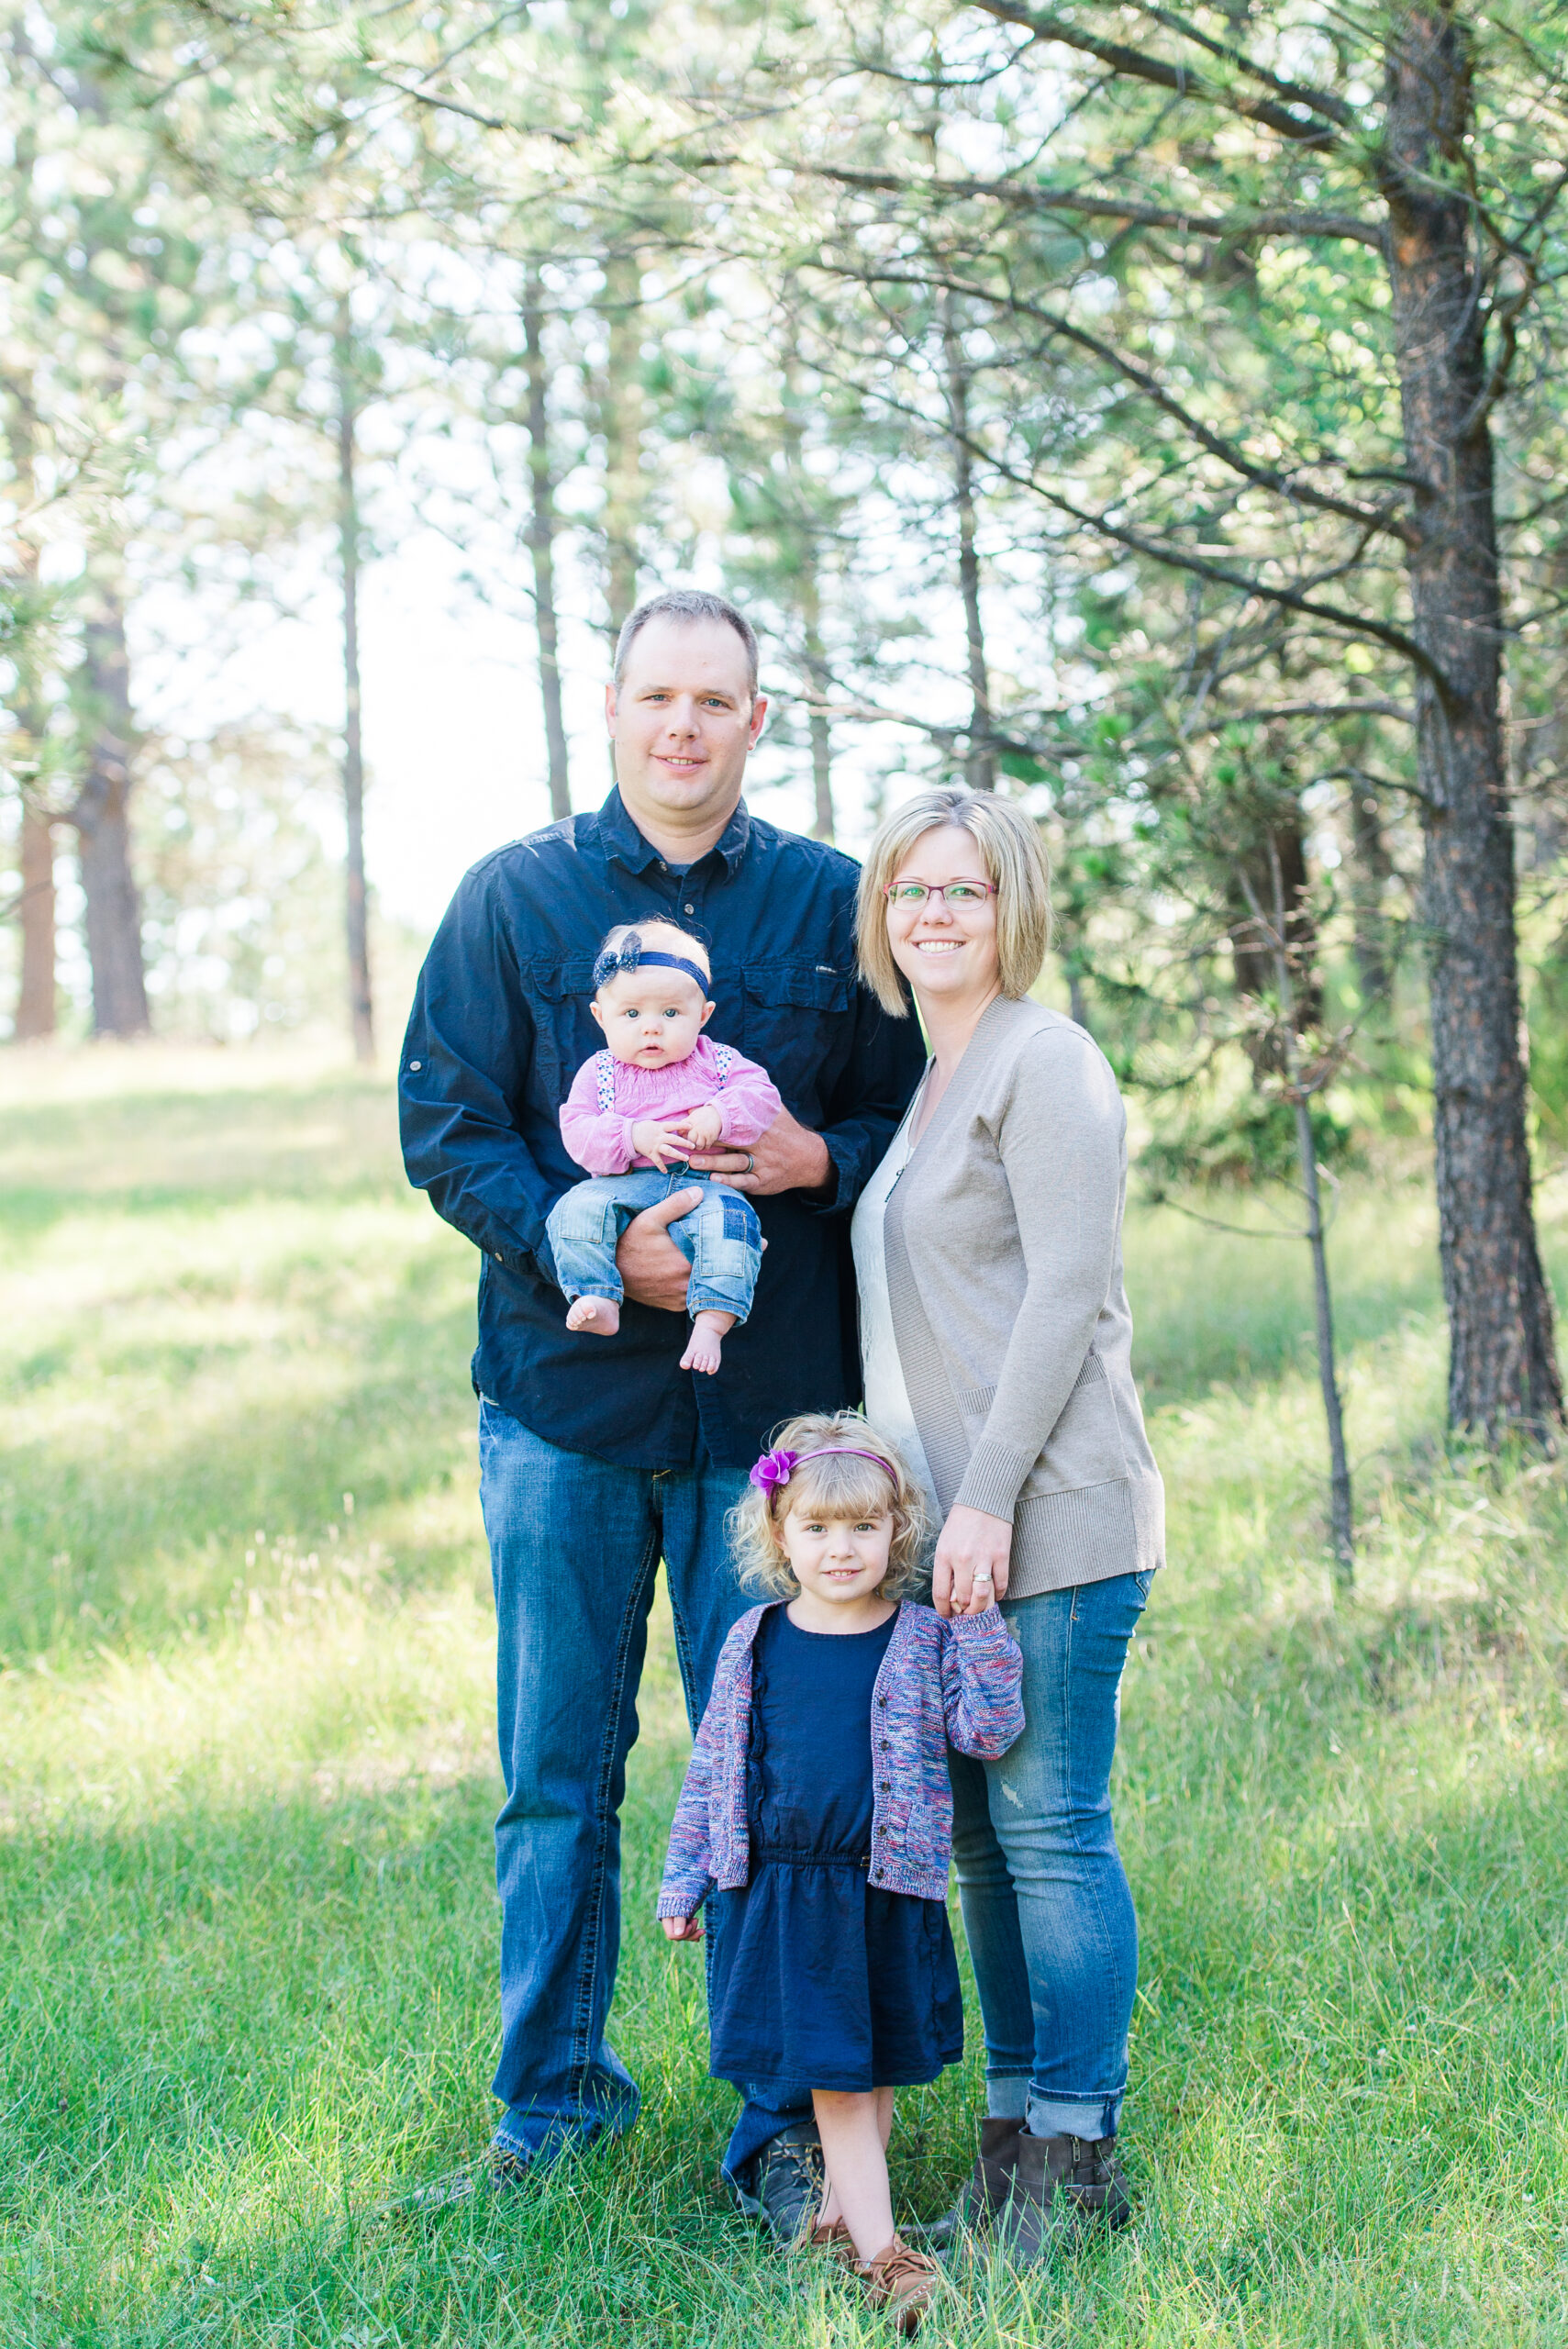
<point x="246" y="1782"/>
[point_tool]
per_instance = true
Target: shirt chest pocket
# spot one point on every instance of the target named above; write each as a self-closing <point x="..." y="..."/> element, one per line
<point x="564" y="1031"/>
<point x="794" y="1025"/>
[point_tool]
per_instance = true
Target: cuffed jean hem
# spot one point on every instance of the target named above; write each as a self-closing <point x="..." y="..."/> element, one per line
<point x="708" y="1299"/>
<point x="1048" y="2116"/>
<point x="1006" y="2096"/>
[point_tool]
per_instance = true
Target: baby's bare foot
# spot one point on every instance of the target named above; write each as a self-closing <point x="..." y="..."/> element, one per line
<point x="705" y="1349"/>
<point x="595" y="1314"/>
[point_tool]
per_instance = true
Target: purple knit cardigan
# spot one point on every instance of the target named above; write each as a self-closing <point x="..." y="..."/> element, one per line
<point x="941" y="1681"/>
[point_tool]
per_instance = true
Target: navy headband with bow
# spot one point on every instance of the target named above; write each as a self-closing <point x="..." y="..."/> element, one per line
<point x="631" y="955"/>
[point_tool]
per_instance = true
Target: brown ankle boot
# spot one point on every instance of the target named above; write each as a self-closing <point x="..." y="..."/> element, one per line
<point x="900" y="2282"/>
<point x="1061" y="2186"/>
<point x="985" y="2189"/>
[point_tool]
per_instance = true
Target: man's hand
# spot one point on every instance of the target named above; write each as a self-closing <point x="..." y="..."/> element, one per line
<point x="652" y="1268"/>
<point x="682" y="1928"/>
<point x="972" y="1546"/>
<point x="788" y="1157"/>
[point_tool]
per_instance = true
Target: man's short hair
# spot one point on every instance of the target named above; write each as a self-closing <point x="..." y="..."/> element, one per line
<point x="688" y="604"/>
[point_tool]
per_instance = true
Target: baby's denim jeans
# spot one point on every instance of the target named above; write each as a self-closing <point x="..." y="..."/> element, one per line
<point x="721" y="1239"/>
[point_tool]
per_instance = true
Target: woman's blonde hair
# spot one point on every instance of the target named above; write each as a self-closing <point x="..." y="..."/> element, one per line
<point x="841" y="1485"/>
<point x="1014" y="855"/>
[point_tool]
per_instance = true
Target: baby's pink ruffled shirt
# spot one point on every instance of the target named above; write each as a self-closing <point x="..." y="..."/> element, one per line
<point x="599" y="1136"/>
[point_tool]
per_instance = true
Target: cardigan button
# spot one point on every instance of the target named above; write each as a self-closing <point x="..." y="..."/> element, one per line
<point x="886" y="1787"/>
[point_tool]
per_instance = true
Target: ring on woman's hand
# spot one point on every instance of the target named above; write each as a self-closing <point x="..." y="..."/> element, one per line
<point x="981" y="1573"/>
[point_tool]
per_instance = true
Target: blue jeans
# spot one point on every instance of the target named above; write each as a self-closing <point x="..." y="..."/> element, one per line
<point x="574" y="1547"/>
<point x="1046" y="1906"/>
<point x="721" y="1239"/>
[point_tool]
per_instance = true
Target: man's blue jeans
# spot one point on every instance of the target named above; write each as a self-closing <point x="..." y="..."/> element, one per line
<point x="720" y="1238"/>
<point x="574" y="1547"/>
<point x="1046" y="1906"/>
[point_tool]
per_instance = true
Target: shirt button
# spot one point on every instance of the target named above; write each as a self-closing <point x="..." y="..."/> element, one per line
<point x="415" y="1066"/>
<point x="688" y="910"/>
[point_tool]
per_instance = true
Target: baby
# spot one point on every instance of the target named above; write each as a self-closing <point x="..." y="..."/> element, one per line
<point x="659" y="1093"/>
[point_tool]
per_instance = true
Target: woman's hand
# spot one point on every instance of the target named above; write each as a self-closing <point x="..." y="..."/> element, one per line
<point x="682" y="1928"/>
<point x="971" y="1566"/>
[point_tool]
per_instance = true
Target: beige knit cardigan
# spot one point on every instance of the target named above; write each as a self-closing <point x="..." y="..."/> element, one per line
<point x="1003" y="1238"/>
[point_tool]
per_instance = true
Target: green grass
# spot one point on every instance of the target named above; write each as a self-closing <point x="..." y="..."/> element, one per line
<point x="246" y="1786"/>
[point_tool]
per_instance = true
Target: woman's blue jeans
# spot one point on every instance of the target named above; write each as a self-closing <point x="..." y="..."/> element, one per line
<point x="1046" y="1905"/>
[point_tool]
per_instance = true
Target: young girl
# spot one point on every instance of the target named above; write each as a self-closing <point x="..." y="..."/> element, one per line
<point x="640" y="1108"/>
<point x="817" y="1823"/>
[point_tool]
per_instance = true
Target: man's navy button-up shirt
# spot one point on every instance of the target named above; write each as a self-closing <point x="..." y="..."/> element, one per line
<point x="500" y="1027"/>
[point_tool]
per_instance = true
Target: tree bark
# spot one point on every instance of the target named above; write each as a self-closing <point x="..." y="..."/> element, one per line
<point x="980" y="765"/>
<point x="101" y="815"/>
<point x="620" y="418"/>
<point x="1341" y="1528"/>
<point x="817" y="726"/>
<point x="34" y="1004"/>
<point x="1372" y="868"/>
<point x="36" y="1008"/>
<point x="1503" y="1367"/>
<point x="541" y="546"/>
<point x="356" y="909"/>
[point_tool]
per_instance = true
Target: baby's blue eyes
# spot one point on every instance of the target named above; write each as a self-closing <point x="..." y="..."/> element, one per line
<point x="672" y="1011"/>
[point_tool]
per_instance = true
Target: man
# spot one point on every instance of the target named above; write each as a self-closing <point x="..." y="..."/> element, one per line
<point x="599" y="1455"/>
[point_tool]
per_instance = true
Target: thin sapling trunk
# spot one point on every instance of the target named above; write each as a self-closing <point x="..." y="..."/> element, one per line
<point x="356" y="911"/>
<point x="542" y="547"/>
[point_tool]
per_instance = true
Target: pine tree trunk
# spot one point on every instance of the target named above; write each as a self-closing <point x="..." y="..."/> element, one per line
<point x="356" y="909"/>
<point x="620" y="415"/>
<point x="102" y="817"/>
<point x="1503" y="1366"/>
<point x="1372" y="868"/>
<point x="34" y="1004"/>
<point x="36" y="1008"/>
<point x="542" y="547"/>
<point x="980" y="767"/>
<point x="819" y="732"/>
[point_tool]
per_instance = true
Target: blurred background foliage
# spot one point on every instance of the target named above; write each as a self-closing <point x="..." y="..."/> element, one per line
<point x="1043" y="386"/>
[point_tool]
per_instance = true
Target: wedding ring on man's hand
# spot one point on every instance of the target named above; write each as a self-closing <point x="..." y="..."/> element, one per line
<point x="750" y="1163"/>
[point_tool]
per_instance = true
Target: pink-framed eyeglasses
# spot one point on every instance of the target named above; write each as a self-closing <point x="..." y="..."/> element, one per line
<point x="962" y="895"/>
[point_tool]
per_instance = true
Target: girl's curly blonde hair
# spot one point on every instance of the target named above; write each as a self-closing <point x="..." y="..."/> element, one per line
<point x="841" y="1485"/>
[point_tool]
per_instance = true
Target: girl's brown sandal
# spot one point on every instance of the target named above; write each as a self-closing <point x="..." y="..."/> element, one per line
<point x="900" y="2282"/>
<point x="835" y="2240"/>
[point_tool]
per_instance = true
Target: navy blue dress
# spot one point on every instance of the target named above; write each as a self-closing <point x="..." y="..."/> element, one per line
<point x="819" y="1979"/>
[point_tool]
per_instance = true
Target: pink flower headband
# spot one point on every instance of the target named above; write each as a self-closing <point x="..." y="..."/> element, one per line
<point x="776" y="1468"/>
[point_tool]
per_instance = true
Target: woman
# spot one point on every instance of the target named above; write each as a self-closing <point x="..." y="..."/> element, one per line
<point x="998" y="1347"/>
